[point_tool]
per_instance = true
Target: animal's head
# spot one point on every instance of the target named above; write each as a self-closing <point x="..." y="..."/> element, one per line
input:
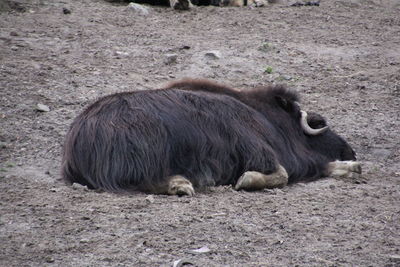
<point x="324" y="140"/>
<point x="281" y="105"/>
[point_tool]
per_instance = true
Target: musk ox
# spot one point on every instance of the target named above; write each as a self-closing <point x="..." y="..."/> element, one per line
<point x="187" y="4"/>
<point x="196" y="133"/>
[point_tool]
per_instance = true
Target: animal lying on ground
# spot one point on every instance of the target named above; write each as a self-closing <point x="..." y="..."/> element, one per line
<point x="187" y="4"/>
<point x="194" y="134"/>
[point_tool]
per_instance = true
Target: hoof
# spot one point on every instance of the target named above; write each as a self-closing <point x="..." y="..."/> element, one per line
<point x="180" y="186"/>
<point x="252" y="180"/>
<point x="345" y="169"/>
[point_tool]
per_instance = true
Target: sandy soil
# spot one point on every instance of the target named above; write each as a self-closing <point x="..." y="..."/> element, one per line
<point x="343" y="56"/>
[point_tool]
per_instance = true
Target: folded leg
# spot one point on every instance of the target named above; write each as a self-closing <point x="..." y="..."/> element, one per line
<point x="344" y="169"/>
<point x="252" y="180"/>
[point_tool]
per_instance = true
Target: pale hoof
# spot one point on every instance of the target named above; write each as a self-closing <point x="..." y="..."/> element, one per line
<point x="252" y="180"/>
<point x="180" y="186"/>
<point x="345" y="169"/>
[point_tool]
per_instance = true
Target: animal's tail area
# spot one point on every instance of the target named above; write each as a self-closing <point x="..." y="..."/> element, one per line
<point x="112" y="160"/>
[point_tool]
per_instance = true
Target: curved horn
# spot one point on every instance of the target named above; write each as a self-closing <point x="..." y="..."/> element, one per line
<point x="307" y="129"/>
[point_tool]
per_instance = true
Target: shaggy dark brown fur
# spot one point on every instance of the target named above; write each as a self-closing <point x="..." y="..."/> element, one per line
<point x="207" y="132"/>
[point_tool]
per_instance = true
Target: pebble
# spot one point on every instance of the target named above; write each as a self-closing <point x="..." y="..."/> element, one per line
<point x="170" y="59"/>
<point x="42" y="108"/>
<point x="49" y="259"/>
<point x="54" y="190"/>
<point x="286" y="77"/>
<point x="66" y="11"/>
<point x="201" y="250"/>
<point x="150" y="199"/>
<point x="213" y="55"/>
<point x="181" y="262"/>
<point x="395" y="257"/>
<point x="120" y="54"/>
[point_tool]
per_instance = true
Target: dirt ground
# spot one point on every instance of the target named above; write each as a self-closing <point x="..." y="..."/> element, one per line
<point x="343" y="56"/>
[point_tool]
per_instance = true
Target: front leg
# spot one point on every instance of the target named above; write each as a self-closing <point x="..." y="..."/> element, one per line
<point x="252" y="180"/>
<point x="179" y="185"/>
<point x="344" y="169"/>
<point x="174" y="185"/>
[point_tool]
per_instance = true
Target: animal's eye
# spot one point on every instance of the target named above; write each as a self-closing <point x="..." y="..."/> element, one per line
<point x="285" y="104"/>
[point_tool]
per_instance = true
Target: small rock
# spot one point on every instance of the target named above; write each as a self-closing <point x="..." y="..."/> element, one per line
<point x="77" y="186"/>
<point x="395" y="258"/>
<point x="66" y="11"/>
<point x="3" y="145"/>
<point x="14" y="34"/>
<point x="185" y="47"/>
<point x="42" y="108"/>
<point x="266" y="46"/>
<point x="372" y="209"/>
<point x="212" y="55"/>
<point x="54" y="190"/>
<point x="286" y="77"/>
<point x="170" y="59"/>
<point x="150" y="199"/>
<point x="201" y="250"/>
<point x="120" y="54"/>
<point x="84" y="240"/>
<point x="139" y="9"/>
<point x="49" y="259"/>
<point x="181" y="262"/>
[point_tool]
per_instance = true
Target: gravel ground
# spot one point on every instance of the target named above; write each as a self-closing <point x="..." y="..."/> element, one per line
<point x="344" y="58"/>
